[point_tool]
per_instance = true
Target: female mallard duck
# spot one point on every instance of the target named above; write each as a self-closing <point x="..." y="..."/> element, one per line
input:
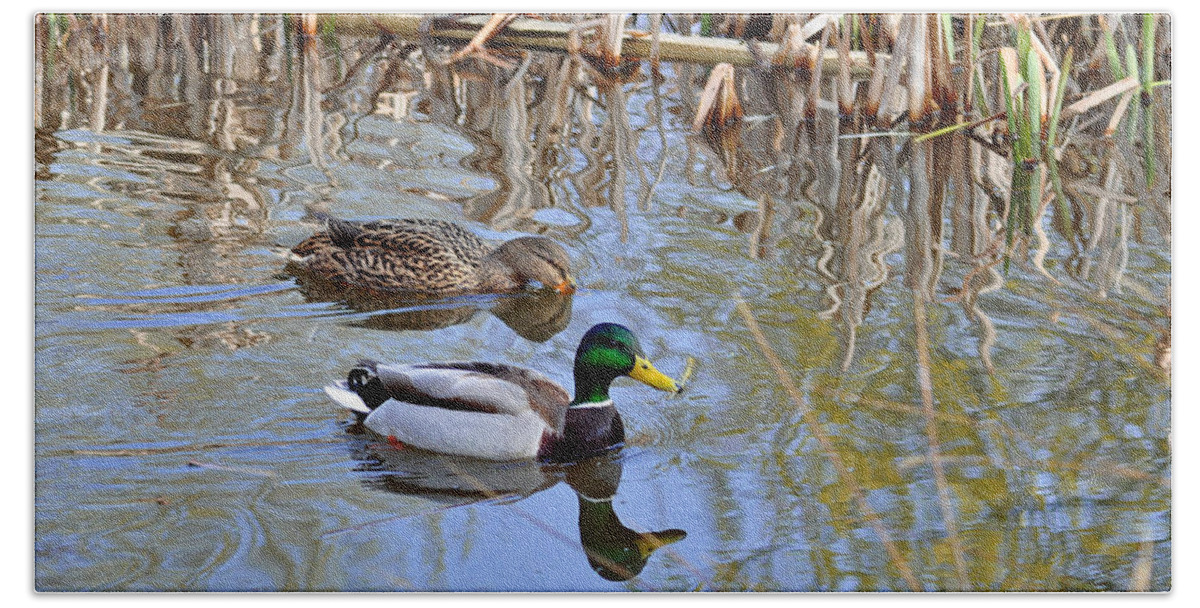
<point x="429" y="257"/>
<point x="502" y="412"/>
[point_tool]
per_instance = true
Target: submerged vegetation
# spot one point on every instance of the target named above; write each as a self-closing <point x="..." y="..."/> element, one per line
<point x="933" y="166"/>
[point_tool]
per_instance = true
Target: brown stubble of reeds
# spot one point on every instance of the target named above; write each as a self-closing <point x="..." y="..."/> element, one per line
<point x="845" y="86"/>
<point x="917" y="72"/>
<point x="919" y="94"/>
<point x="885" y="97"/>
<point x="812" y="67"/>
<point x="719" y="107"/>
<point x="719" y="116"/>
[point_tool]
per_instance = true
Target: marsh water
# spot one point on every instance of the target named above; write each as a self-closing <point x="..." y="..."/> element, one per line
<point x="871" y="402"/>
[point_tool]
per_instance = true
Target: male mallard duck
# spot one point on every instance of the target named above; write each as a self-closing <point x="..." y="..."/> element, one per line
<point x="502" y="412"/>
<point x="429" y="257"/>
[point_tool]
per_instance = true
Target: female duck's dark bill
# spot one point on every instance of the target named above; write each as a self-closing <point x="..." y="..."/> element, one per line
<point x="645" y="373"/>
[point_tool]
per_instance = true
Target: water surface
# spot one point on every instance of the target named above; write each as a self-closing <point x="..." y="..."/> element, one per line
<point x="870" y="407"/>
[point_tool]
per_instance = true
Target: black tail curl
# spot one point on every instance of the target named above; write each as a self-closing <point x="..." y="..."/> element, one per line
<point x="368" y="387"/>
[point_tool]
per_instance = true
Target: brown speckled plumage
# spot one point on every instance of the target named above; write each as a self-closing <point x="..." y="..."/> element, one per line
<point x="428" y="257"/>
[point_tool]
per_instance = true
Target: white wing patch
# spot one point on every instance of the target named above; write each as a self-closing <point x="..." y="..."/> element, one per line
<point x="469" y="387"/>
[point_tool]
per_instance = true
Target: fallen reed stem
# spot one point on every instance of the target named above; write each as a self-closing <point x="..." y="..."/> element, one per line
<point x="540" y="34"/>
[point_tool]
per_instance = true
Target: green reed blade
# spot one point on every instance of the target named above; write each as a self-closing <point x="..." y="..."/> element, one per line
<point x="51" y="42"/>
<point x="1024" y="45"/>
<point x="1131" y="62"/>
<point x="1149" y="22"/>
<point x="1048" y="154"/>
<point x="1010" y="99"/>
<point x="938" y="133"/>
<point x="1110" y="49"/>
<point x="1033" y="76"/>
<point x="1059" y="94"/>
<point x="947" y="23"/>
<point x="977" y="39"/>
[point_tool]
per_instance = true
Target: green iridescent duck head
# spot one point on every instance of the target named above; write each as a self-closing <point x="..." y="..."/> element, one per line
<point x="608" y="351"/>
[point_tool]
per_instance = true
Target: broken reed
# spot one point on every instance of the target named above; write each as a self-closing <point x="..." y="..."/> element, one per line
<point x="1030" y="77"/>
<point x="917" y="77"/>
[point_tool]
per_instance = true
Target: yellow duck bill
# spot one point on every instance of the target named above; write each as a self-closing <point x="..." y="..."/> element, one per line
<point x="645" y="373"/>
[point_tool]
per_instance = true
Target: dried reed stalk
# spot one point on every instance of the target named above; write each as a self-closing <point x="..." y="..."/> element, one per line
<point x="495" y="24"/>
<point x="719" y="106"/>
<point x="919" y="94"/>
<point x="1100" y="96"/>
<point x="1118" y="113"/>
<point x="845" y="88"/>
<point x="612" y="34"/>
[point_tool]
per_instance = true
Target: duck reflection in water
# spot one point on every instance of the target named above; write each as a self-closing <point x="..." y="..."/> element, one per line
<point x="534" y="315"/>
<point x="613" y="550"/>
